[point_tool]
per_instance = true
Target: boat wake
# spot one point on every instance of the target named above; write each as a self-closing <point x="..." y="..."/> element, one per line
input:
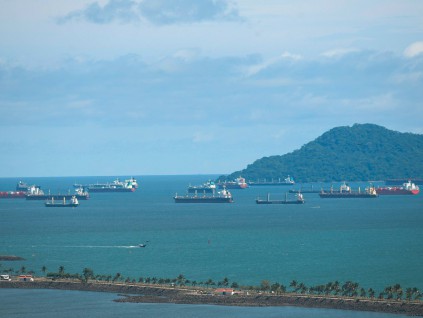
<point x="104" y="246"/>
<point x="86" y="246"/>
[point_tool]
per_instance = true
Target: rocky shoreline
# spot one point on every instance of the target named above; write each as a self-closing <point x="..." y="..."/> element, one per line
<point x="140" y="293"/>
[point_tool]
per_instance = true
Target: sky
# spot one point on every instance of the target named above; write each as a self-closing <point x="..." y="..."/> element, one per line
<point x="169" y="87"/>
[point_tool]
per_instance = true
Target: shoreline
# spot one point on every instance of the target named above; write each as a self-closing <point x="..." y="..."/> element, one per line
<point x="144" y="293"/>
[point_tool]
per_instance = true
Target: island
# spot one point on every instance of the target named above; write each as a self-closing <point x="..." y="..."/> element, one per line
<point x="150" y="293"/>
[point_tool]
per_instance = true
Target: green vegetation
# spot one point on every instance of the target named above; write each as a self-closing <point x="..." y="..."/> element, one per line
<point x="348" y="289"/>
<point x="358" y="153"/>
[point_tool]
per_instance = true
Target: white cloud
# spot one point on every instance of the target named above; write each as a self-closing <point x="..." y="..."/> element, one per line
<point x="336" y="53"/>
<point x="257" y="68"/>
<point x="159" y="12"/>
<point x="414" y="49"/>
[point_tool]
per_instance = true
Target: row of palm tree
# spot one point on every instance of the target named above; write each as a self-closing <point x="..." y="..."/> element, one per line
<point x="347" y="289"/>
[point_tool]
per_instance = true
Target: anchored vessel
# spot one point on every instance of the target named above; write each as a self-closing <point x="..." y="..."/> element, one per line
<point x="287" y="181"/>
<point x="62" y="203"/>
<point x="207" y="187"/>
<point x="35" y="193"/>
<point x="299" y="200"/>
<point x="238" y="183"/>
<point x="12" y="194"/>
<point x="346" y="192"/>
<point x="116" y="186"/>
<point x="223" y="196"/>
<point x="310" y="189"/>
<point x="406" y="188"/>
<point x="22" y="186"/>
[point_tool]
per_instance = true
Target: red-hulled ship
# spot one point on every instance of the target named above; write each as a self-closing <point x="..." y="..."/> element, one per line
<point x="238" y="183"/>
<point x="12" y="195"/>
<point x="406" y="188"/>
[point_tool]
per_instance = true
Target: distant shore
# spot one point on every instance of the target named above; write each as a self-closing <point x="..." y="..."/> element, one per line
<point x="143" y="293"/>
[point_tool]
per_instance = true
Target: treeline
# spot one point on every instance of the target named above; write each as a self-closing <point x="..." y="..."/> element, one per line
<point x="358" y="153"/>
<point x="335" y="288"/>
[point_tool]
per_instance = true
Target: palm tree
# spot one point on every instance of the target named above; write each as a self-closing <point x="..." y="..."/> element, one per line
<point x="44" y="269"/>
<point x="335" y="287"/>
<point x="389" y="291"/>
<point x="234" y="285"/>
<point x="61" y="270"/>
<point x="328" y="288"/>
<point x="408" y="293"/>
<point x="303" y="288"/>
<point x="265" y="285"/>
<point x="23" y="269"/>
<point x="209" y="282"/>
<point x="294" y="285"/>
<point x="117" y="276"/>
<point x="398" y="290"/>
<point x="371" y="293"/>
<point x="417" y="293"/>
<point x="87" y="274"/>
<point x="275" y="287"/>
<point x="180" y="279"/>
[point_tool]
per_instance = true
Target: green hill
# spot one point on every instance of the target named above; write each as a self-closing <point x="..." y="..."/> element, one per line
<point x="358" y="153"/>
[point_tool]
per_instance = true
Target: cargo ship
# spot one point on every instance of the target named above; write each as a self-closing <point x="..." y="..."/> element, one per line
<point x="207" y="187"/>
<point x="62" y="203"/>
<point x="310" y="189"/>
<point x="408" y="188"/>
<point x="129" y="185"/>
<point x="35" y="193"/>
<point x="288" y="181"/>
<point x="223" y="196"/>
<point x="346" y="192"/>
<point x="12" y="194"/>
<point x="238" y="183"/>
<point x="22" y="186"/>
<point x="299" y="200"/>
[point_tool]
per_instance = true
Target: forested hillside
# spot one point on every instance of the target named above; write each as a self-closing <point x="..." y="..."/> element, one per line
<point x="358" y="153"/>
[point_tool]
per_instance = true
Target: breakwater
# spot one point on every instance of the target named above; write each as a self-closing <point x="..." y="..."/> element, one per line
<point x="142" y="293"/>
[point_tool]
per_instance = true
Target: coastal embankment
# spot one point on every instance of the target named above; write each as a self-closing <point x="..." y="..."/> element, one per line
<point x="144" y="293"/>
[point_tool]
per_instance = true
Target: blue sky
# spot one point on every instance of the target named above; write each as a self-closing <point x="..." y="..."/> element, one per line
<point x="146" y="87"/>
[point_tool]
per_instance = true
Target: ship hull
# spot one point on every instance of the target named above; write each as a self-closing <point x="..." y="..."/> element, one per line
<point x="278" y="202"/>
<point x="61" y="205"/>
<point x="347" y="195"/>
<point x="99" y="190"/>
<point x="202" y="200"/>
<point x="12" y="195"/>
<point x="55" y="196"/>
<point x="233" y="186"/>
<point x="396" y="191"/>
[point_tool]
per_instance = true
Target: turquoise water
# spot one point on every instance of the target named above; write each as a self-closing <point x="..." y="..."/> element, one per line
<point x="375" y="242"/>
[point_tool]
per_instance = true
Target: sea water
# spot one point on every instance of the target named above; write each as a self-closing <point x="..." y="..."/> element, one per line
<point x="375" y="242"/>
